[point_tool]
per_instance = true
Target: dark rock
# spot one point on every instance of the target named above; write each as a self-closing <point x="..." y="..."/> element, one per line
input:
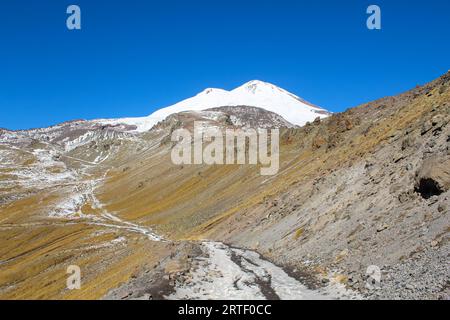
<point x="382" y="227"/>
<point x="316" y="121"/>
<point x="433" y="178"/>
<point x="438" y="122"/>
<point x="318" y="142"/>
<point x="427" y="126"/>
<point x="404" y="197"/>
<point x="399" y="157"/>
<point x="408" y="143"/>
<point x="409" y="286"/>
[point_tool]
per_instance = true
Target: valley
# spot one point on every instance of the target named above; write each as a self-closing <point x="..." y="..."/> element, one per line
<point x="367" y="187"/>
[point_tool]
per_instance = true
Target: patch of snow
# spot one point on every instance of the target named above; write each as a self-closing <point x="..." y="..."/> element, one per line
<point x="44" y="172"/>
<point x="219" y="278"/>
<point x="237" y="274"/>
<point x="112" y="243"/>
<point x="79" y="141"/>
<point x="69" y="207"/>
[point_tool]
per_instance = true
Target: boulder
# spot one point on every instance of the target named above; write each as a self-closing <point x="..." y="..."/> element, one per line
<point x="433" y="178"/>
<point x="318" y="142"/>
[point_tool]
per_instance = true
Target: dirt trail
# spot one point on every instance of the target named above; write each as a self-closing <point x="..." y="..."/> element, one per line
<point x="231" y="273"/>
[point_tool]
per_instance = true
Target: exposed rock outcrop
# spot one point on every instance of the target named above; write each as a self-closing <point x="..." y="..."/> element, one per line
<point x="433" y="178"/>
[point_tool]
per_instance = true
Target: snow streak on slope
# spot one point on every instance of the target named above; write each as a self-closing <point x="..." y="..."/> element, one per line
<point x="254" y="94"/>
<point x="238" y="274"/>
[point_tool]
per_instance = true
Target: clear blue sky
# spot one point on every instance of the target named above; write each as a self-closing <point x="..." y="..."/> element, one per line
<point x="132" y="57"/>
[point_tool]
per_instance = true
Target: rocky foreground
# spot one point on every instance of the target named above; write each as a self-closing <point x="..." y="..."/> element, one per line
<point x="213" y="270"/>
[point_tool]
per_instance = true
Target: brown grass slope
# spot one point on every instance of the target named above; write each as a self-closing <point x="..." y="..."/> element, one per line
<point x="346" y="196"/>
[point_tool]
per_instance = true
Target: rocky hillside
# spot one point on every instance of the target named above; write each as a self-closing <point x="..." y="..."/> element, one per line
<point x="367" y="187"/>
<point x="371" y="187"/>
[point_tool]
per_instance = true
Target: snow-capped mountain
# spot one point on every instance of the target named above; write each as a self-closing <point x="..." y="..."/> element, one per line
<point x="253" y="94"/>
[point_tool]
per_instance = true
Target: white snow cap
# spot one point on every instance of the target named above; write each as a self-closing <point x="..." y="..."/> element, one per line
<point x="253" y="94"/>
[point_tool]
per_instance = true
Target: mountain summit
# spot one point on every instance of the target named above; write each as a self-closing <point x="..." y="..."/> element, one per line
<point x="253" y="94"/>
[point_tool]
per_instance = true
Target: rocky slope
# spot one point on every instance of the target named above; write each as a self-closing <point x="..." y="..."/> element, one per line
<point x="367" y="187"/>
<point x="375" y="193"/>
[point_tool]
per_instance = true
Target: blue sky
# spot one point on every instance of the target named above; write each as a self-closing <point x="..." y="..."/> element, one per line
<point x="132" y="57"/>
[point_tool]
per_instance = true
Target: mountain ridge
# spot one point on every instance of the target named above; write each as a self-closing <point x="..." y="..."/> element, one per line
<point x="254" y="93"/>
<point x="357" y="189"/>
